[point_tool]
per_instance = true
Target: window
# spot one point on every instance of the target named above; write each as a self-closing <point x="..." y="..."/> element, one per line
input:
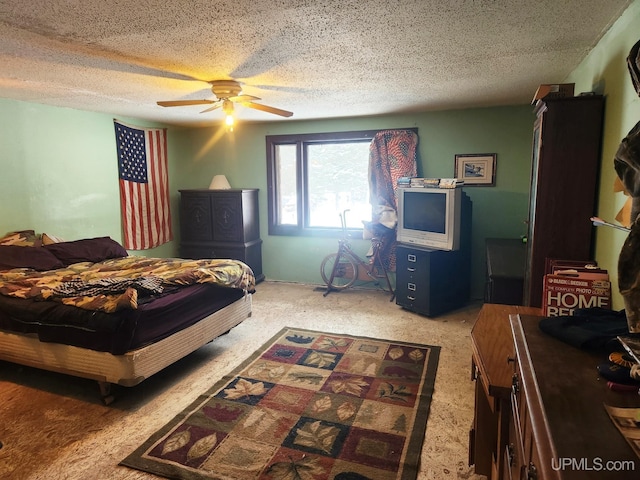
<point x="312" y="178"/>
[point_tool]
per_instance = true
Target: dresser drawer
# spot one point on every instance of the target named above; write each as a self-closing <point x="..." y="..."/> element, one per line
<point x="212" y="252"/>
<point x="514" y="458"/>
<point x="250" y="253"/>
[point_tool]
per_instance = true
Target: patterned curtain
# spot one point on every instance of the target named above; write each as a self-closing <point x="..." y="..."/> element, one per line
<point x="392" y="154"/>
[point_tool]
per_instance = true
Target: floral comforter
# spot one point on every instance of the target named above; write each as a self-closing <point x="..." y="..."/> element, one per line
<point x="117" y="283"/>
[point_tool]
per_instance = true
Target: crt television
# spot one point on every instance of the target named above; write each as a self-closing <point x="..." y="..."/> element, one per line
<point x="429" y="217"/>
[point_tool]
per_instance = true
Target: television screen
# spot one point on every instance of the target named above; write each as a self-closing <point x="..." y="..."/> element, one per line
<point x="426" y="212"/>
<point x="429" y="217"/>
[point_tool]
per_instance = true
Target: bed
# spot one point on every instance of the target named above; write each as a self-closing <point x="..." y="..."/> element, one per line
<point x="87" y="308"/>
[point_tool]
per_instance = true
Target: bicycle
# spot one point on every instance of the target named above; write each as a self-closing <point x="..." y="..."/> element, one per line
<point x="340" y="270"/>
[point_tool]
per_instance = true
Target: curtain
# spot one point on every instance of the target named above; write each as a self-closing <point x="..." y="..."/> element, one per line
<point x="392" y="154"/>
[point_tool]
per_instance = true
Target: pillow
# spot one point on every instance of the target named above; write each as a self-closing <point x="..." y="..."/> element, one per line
<point x="86" y="250"/>
<point x="23" y="238"/>
<point x="14" y="256"/>
<point x="48" y="239"/>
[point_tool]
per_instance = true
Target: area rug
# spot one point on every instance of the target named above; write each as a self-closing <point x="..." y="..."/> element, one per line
<point x="306" y="406"/>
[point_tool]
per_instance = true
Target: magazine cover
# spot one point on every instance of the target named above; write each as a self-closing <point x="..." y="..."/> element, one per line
<point x="564" y="292"/>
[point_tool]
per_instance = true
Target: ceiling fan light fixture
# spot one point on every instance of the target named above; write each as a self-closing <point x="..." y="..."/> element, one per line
<point x="227" y="92"/>
<point x="227" y="108"/>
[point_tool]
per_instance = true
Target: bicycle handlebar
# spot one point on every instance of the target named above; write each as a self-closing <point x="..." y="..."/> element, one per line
<point x="343" y="219"/>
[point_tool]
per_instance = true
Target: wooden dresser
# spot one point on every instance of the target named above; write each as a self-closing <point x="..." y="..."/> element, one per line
<point x="221" y="224"/>
<point x="539" y="410"/>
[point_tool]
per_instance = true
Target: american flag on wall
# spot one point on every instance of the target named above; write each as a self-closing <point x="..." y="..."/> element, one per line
<point x="144" y="186"/>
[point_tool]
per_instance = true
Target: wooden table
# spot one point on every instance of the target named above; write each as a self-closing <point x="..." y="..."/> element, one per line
<point x="539" y="404"/>
<point x="492" y="347"/>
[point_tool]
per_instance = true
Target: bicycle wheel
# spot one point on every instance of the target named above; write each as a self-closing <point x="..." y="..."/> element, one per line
<point x="346" y="272"/>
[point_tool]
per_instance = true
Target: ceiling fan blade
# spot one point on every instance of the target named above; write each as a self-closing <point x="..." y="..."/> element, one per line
<point x="243" y="98"/>
<point x="217" y="105"/>
<point x="182" y="103"/>
<point x="266" y="108"/>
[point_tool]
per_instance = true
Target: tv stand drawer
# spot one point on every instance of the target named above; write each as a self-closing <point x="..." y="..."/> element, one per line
<point x="431" y="282"/>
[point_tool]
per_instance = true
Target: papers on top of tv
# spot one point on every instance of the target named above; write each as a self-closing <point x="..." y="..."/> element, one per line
<point x="418" y="182"/>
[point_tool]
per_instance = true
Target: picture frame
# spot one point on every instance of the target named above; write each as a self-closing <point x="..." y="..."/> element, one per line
<point x="476" y="169"/>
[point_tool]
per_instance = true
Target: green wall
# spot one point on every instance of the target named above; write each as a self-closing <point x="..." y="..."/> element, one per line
<point x="60" y="173"/>
<point x="497" y="211"/>
<point x="605" y="71"/>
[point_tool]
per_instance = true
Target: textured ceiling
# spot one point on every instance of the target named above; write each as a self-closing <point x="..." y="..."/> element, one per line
<point x="317" y="58"/>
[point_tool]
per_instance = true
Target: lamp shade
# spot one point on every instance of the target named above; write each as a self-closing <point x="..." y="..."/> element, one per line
<point x="219" y="182"/>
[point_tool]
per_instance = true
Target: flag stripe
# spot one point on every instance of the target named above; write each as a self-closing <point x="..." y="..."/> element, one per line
<point x="124" y="205"/>
<point x="155" y="146"/>
<point x="144" y="186"/>
<point x="166" y="208"/>
<point x="161" y="182"/>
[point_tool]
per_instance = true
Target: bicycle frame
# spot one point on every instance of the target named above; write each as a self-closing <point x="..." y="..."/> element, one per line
<point x="345" y="250"/>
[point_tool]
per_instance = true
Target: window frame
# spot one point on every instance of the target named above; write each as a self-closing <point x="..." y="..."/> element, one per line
<point x="302" y="188"/>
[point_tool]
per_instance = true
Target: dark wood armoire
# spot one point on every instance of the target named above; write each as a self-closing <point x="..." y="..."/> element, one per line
<point x="566" y="159"/>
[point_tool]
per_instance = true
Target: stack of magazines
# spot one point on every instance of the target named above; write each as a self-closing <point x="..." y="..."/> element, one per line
<point x="420" y="182"/>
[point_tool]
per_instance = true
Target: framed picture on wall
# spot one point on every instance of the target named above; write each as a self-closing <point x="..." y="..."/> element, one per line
<point x="476" y="169"/>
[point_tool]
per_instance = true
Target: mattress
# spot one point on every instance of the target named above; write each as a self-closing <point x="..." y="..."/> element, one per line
<point x="118" y="332"/>
<point x="127" y="369"/>
<point x="86" y="308"/>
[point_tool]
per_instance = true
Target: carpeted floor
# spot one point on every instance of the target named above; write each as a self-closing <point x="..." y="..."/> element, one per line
<point x="55" y="426"/>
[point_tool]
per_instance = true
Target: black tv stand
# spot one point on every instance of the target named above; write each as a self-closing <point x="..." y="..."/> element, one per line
<point x="431" y="282"/>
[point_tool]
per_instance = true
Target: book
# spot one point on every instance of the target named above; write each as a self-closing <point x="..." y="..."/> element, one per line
<point x="562" y="293"/>
<point x="553" y="264"/>
<point x="419" y="182"/>
<point x="595" y="274"/>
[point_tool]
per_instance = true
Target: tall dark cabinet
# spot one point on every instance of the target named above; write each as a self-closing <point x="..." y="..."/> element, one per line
<point x="567" y="138"/>
<point x="221" y="224"/>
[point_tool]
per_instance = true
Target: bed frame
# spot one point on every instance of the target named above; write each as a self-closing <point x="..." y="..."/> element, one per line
<point x="130" y="368"/>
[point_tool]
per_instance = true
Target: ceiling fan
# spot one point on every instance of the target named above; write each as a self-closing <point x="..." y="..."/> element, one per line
<point x="227" y="93"/>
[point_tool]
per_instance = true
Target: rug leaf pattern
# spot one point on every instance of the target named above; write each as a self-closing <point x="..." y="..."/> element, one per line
<point x="306" y="406"/>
